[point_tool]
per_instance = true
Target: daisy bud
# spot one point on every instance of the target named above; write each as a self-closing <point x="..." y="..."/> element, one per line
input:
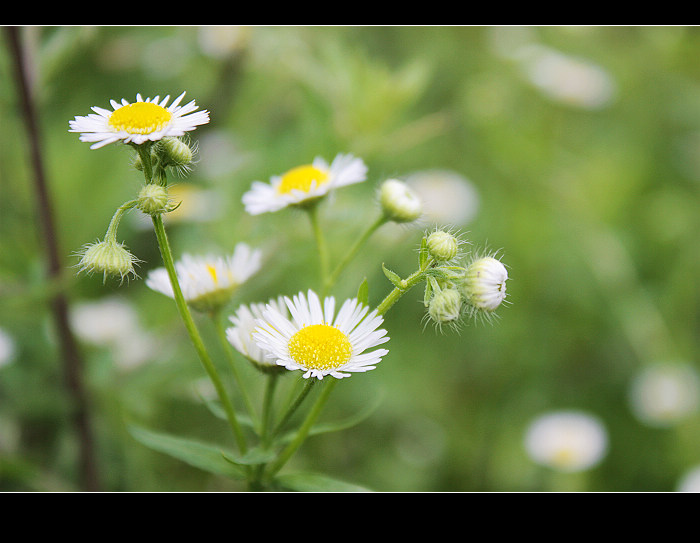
<point x="445" y="306"/>
<point x="153" y="199"/>
<point x="484" y="284"/>
<point x="399" y="203"/>
<point x="109" y="258"/>
<point x="176" y="152"/>
<point x="442" y="245"/>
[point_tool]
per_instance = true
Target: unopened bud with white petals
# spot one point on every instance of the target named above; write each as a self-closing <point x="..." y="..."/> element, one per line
<point x="399" y="203"/>
<point x="484" y="286"/>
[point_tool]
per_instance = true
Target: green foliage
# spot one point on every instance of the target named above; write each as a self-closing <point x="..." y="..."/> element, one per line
<point x="593" y="206"/>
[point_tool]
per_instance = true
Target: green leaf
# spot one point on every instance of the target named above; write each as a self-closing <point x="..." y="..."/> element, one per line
<point x="343" y="424"/>
<point x="363" y="292"/>
<point x="204" y="456"/>
<point x="315" y="482"/>
<point x="253" y="457"/>
<point x="423" y="253"/>
<point x="394" y="278"/>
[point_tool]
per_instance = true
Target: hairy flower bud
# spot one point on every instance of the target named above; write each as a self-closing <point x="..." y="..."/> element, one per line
<point x="399" y="203"/>
<point x="484" y="284"/>
<point x="442" y="245"/>
<point x="153" y="199"/>
<point x="175" y="152"/>
<point x="445" y="306"/>
<point x="109" y="258"/>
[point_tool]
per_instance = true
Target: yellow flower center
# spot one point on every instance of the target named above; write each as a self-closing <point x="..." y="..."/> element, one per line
<point x="564" y="458"/>
<point x="301" y="178"/>
<point x="320" y="347"/>
<point x="139" y="118"/>
<point x="212" y="271"/>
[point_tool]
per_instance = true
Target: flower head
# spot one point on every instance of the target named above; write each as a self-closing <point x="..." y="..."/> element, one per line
<point x="304" y="184"/>
<point x="240" y="335"/>
<point x="208" y="282"/>
<point x="319" y="342"/>
<point x="484" y="285"/>
<point x="107" y="257"/>
<point x="138" y="122"/>
<point x="566" y="440"/>
<point x="665" y="393"/>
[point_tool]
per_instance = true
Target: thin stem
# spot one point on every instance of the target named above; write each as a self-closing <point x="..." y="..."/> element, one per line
<point x="72" y="357"/>
<point x="312" y="210"/>
<point x="116" y="218"/>
<point x="265" y="434"/>
<point x="194" y="333"/>
<point x="333" y="277"/>
<point x="297" y="403"/>
<point x="220" y="332"/>
<point x="304" y="429"/>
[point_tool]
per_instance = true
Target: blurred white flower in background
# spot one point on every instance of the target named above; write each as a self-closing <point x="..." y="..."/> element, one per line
<point x="690" y="481"/>
<point x="447" y="196"/>
<point x="665" y="393"/>
<point x="7" y="348"/>
<point x="112" y="322"/>
<point x="566" y="79"/>
<point x="566" y="440"/>
<point x="561" y="77"/>
<point x="222" y="41"/>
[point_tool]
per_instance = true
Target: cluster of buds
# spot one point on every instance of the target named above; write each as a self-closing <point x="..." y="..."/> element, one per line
<point x="111" y="258"/>
<point x="475" y="289"/>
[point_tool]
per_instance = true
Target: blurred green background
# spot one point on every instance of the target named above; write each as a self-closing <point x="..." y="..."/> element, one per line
<point x="575" y="150"/>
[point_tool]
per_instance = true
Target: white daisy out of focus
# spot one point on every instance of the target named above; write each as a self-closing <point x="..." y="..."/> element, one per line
<point x="303" y="184"/>
<point x="566" y="79"/>
<point x="223" y="41"/>
<point x="114" y="323"/>
<point x="8" y="348"/>
<point x="566" y="441"/>
<point x="447" y="196"/>
<point x="665" y="393"/>
<point x="690" y="480"/>
<point x="208" y="282"/>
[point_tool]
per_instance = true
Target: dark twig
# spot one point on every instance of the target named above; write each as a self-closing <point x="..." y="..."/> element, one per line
<point x="72" y="359"/>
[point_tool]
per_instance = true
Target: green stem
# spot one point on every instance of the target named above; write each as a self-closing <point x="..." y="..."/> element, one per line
<point x="304" y="429"/>
<point x="196" y="339"/>
<point x="221" y="333"/>
<point x="333" y="277"/>
<point x="265" y="433"/>
<point x="116" y="218"/>
<point x="406" y="284"/>
<point x="292" y="408"/>
<point x="144" y="151"/>
<point x="312" y="210"/>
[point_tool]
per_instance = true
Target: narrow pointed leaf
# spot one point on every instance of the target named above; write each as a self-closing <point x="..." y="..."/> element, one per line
<point x="204" y="456"/>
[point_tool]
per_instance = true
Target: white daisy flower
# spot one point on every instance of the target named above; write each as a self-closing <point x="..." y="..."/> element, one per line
<point x="208" y="282"/>
<point x="567" y="440"/>
<point x="240" y="335"/>
<point x="304" y="183"/>
<point x="319" y="342"/>
<point x="138" y="122"/>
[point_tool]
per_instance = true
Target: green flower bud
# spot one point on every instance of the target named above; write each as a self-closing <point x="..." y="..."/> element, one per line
<point x="399" y="203"/>
<point x="445" y="306"/>
<point x="442" y="246"/>
<point x="153" y="199"/>
<point x="176" y="152"/>
<point x="109" y="258"/>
